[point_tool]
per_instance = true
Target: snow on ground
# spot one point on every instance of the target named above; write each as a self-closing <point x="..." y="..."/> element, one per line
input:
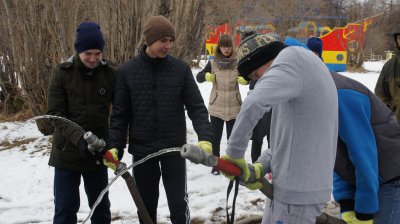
<point x="26" y="185"/>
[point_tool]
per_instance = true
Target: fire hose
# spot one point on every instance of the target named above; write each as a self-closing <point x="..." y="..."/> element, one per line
<point x="198" y="156"/>
<point x="97" y="145"/>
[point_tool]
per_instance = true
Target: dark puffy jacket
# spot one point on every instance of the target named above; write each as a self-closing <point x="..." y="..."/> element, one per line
<point x="388" y="85"/>
<point x="84" y="99"/>
<point x="150" y="97"/>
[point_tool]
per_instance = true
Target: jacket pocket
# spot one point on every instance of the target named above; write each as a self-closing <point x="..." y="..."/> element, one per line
<point x="59" y="141"/>
<point x="213" y="97"/>
<point x="239" y="98"/>
<point x="69" y="147"/>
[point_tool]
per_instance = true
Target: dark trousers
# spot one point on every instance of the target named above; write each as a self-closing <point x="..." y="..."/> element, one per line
<point x="172" y="168"/>
<point x="67" y="200"/>
<point x="261" y="130"/>
<point x="218" y="126"/>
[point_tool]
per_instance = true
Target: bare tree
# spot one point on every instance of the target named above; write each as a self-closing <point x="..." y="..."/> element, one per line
<point x="190" y="31"/>
<point x="9" y="60"/>
<point x="39" y="34"/>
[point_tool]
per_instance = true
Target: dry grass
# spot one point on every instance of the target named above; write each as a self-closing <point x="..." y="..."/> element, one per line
<point x="356" y="69"/>
<point x="20" y="143"/>
<point x="21" y="116"/>
<point x="257" y="201"/>
<point x="197" y="221"/>
<point x="115" y="218"/>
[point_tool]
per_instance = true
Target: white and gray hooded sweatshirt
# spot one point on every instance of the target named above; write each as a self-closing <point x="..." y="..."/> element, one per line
<point x="304" y="126"/>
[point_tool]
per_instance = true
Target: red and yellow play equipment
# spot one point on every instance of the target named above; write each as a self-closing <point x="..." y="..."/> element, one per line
<point x="342" y="42"/>
<point x="339" y="43"/>
<point x="214" y="32"/>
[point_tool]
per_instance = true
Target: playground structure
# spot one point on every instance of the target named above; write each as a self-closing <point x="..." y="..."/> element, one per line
<point x="214" y="32"/>
<point x="369" y="55"/>
<point x="341" y="45"/>
<point x="345" y="45"/>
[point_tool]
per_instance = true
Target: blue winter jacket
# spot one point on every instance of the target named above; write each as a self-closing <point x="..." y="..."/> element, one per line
<point x="368" y="151"/>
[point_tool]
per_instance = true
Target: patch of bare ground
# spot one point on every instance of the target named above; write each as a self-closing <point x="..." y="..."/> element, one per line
<point x="21" y="116"/>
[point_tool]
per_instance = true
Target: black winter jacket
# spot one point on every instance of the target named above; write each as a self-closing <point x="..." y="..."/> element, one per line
<point x="85" y="100"/>
<point x="150" y="98"/>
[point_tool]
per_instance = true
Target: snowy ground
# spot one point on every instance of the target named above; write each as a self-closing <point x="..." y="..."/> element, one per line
<point x="26" y="185"/>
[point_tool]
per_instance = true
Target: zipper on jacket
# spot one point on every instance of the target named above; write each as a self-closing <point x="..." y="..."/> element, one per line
<point x="155" y="105"/>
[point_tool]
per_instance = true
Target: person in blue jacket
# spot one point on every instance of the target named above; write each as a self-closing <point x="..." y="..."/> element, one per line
<point x="315" y="45"/>
<point x="367" y="167"/>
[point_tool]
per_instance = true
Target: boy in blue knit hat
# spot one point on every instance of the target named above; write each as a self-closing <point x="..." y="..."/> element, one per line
<point x="81" y="90"/>
<point x="89" y="42"/>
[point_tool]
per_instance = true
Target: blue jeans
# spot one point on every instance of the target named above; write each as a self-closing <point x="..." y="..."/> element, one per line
<point x="389" y="204"/>
<point x="67" y="200"/>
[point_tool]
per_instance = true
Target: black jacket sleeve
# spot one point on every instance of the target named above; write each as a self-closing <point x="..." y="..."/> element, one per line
<point x="252" y="84"/>
<point x="382" y="85"/>
<point x="201" y="76"/>
<point x="196" y="108"/>
<point x="119" y="119"/>
<point x="57" y="102"/>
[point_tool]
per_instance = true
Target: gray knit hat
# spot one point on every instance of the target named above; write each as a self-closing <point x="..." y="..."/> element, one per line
<point x="256" y="50"/>
<point x="156" y="28"/>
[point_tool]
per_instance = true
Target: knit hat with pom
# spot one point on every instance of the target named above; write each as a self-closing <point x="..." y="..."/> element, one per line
<point x="257" y="49"/>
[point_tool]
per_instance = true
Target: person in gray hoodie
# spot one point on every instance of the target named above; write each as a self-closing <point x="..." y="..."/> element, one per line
<point x="304" y="126"/>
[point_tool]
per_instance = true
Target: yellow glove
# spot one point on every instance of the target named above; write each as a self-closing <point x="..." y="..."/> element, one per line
<point x="114" y="153"/>
<point x="258" y="171"/>
<point x="242" y="164"/>
<point x="205" y="146"/>
<point x="210" y="77"/>
<point x="242" y="81"/>
<point x="356" y="221"/>
<point x="348" y="216"/>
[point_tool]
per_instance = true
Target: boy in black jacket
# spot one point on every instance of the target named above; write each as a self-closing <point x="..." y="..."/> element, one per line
<point x="151" y="93"/>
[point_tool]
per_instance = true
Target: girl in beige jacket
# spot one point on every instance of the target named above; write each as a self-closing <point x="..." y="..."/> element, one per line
<point x="225" y="98"/>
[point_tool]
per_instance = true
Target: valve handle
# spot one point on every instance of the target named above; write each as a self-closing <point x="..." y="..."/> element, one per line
<point x="109" y="157"/>
<point x="228" y="168"/>
<point x="197" y="155"/>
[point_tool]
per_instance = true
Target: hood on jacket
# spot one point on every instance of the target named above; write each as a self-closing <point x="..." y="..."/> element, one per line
<point x="396" y="31"/>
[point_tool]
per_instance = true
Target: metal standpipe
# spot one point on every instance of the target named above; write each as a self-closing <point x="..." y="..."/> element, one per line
<point x="122" y="170"/>
<point x="198" y="156"/>
<point x="133" y="189"/>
